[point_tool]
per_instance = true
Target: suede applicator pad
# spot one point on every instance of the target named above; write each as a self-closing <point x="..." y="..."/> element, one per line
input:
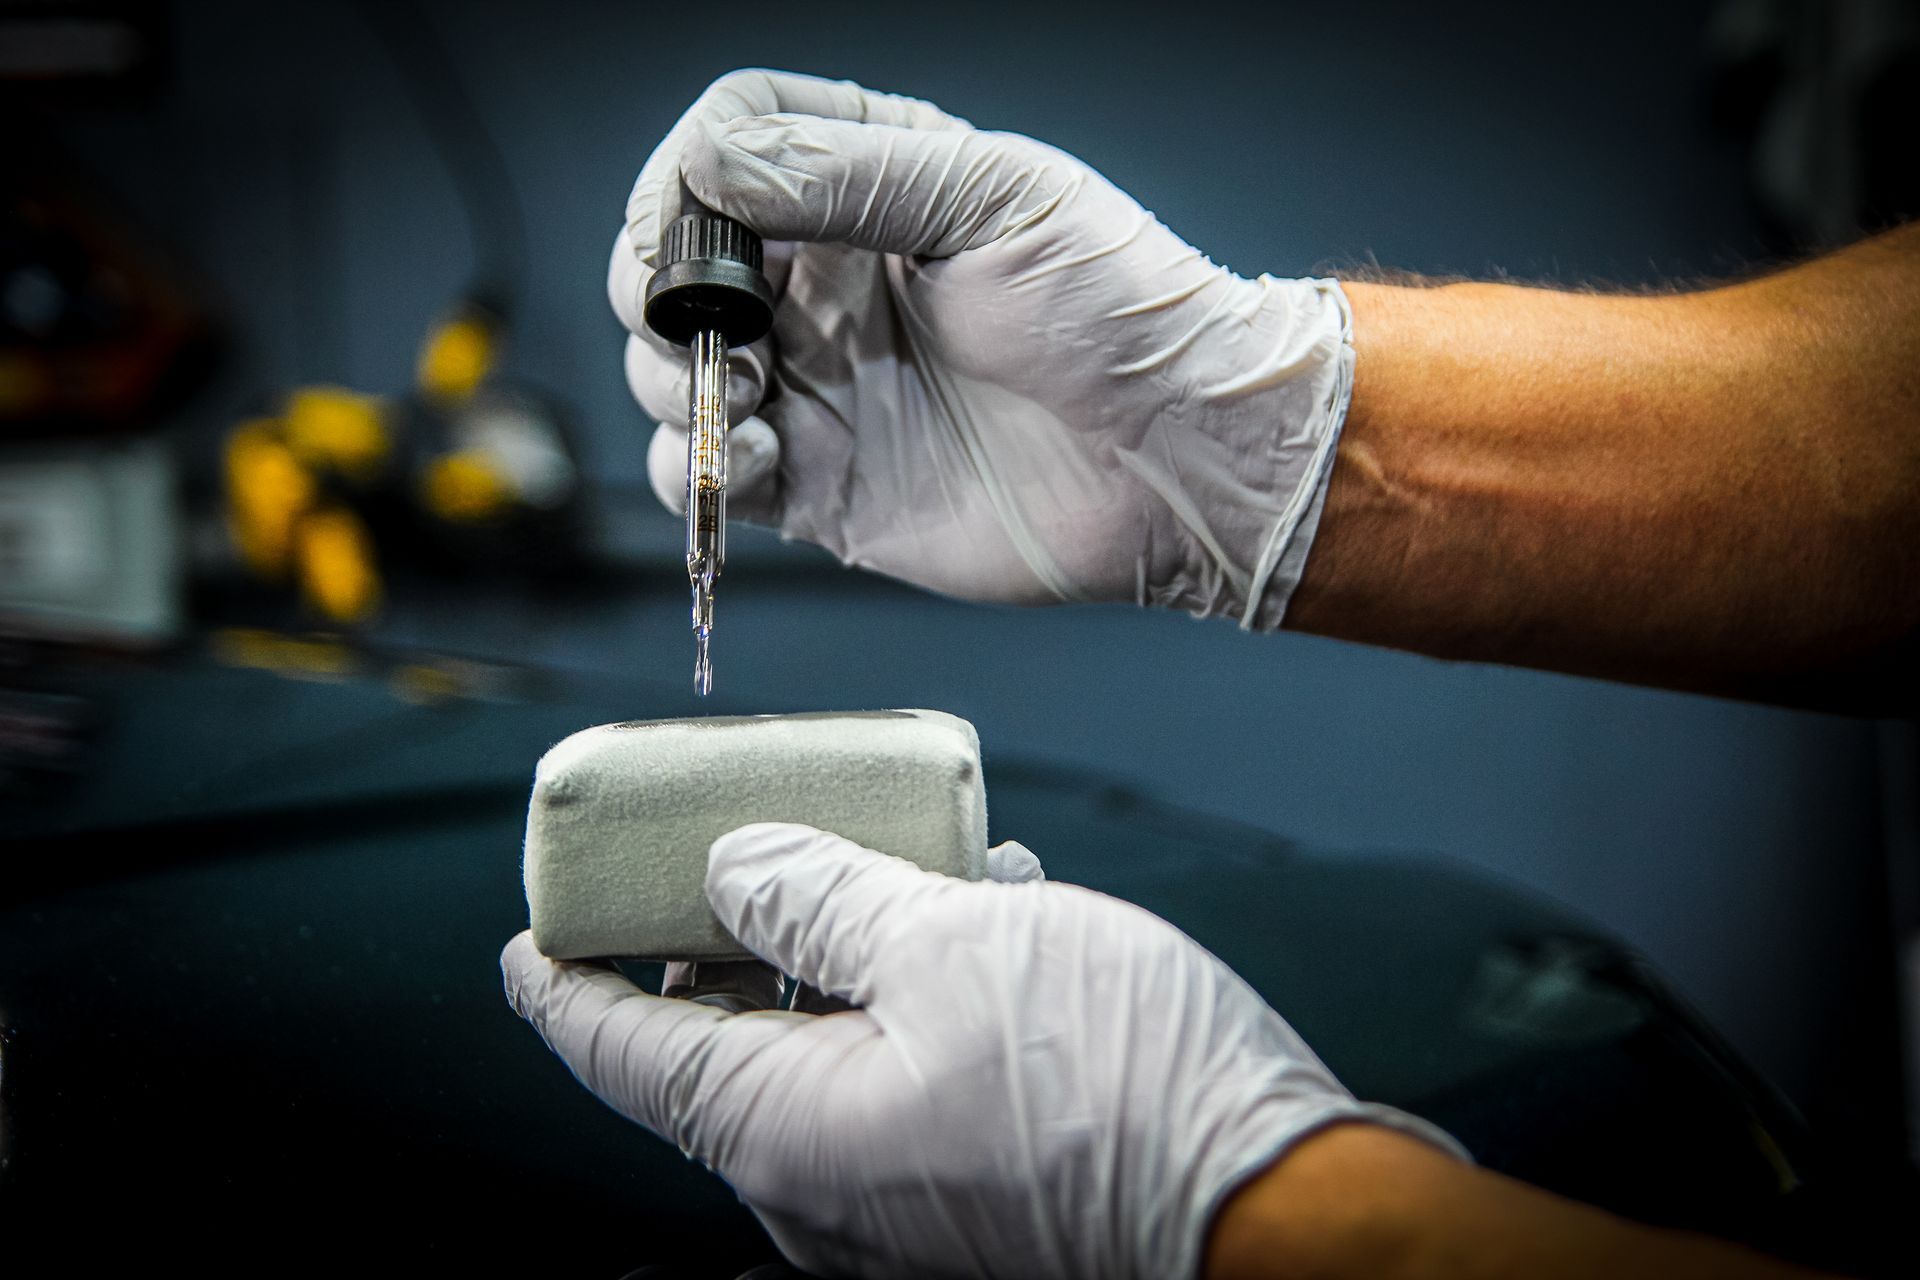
<point x="622" y="816"/>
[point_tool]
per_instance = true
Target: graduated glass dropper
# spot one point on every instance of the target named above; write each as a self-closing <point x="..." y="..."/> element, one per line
<point x="708" y="296"/>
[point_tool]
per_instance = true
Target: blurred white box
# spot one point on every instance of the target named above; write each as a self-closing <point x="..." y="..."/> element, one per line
<point x="90" y="544"/>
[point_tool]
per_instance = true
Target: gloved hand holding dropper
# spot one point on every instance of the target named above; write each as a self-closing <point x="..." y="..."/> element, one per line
<point x="992" y="373"/>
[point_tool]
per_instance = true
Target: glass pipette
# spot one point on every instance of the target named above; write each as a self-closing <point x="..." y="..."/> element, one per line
<point x="706" y="491"/>
<point x="708" y="295"/>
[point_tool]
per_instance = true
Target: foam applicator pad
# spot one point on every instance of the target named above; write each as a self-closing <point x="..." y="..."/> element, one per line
<point x="622" y="816"/>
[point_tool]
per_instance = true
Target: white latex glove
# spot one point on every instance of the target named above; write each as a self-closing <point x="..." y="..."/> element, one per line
<point x="739" y="986"/>
<point x="1038" y="1081"/>
<point x="991" y="372"/>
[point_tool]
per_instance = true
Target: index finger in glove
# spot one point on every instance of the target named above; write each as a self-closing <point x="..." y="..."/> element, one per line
<point x="753" y="461"/>
<point x="643" y="1055"/>
<point x="1009" y="862"/>
<point x="816" y="905"/>
<point x="659" y="197"/>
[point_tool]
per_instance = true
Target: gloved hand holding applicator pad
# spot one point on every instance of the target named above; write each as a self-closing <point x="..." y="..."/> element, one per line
<point x="1033" y="1080"/>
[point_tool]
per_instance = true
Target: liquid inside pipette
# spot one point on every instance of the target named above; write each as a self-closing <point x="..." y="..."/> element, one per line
<point x="706" y="492"/>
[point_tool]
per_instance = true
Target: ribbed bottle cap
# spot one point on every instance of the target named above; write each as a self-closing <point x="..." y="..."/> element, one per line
<point x="709" y="235"/>
<point x="709" y="279"/>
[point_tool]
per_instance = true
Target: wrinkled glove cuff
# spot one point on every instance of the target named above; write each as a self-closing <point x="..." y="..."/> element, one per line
<point x="1240" y="501"/>
<point x="1283" y="560"/>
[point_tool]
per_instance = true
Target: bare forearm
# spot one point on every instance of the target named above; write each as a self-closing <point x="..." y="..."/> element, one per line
<point x="1361" y="1201"/>
<point x="1716" y="491"/>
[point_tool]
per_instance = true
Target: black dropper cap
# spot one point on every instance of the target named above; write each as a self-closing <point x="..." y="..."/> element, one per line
<point x="709" y="278"/>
